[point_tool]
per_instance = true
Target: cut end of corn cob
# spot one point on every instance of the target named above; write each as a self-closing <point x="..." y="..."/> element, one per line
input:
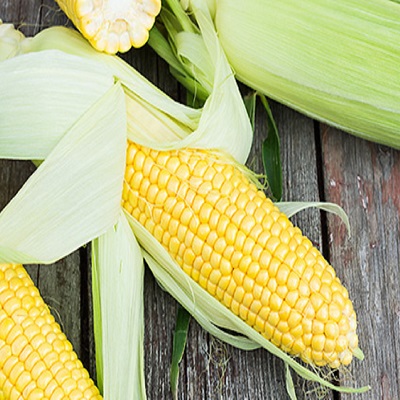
<point x="234" y="242"/>
<point x="36" y="359"/>
<point x="113" y="25"/>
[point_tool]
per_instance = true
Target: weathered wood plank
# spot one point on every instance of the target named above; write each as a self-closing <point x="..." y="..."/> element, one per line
<point x="365" y="179"/>
<point x="300" y="168"/>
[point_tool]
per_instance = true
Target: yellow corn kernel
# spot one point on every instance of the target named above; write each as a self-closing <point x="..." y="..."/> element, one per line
<point x="28" y="341"/>
<point x="253" y="270"/>
<point x="257" y="291"/>
<point x="240" y="248"/>
<point x="244" y="263"/>
<point x="262" y="276"/>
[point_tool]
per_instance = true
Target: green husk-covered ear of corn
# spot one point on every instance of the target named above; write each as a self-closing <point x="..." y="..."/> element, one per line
<point x="113" y="25"/>
<point x="335" y="61"/>
<point x="209" y="235"/>
<point x="36" y="359"/>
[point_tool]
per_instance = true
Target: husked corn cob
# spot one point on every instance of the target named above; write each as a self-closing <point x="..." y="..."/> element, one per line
<point x="36" y="359"/>
<point x="235" y="243"/>
<point x="113" y="25"/>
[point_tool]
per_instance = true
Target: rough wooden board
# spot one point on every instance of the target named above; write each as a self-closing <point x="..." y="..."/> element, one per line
<point x="365" y="179"/>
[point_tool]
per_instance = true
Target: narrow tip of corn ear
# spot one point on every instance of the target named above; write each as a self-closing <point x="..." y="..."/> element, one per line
<point x="358" y="353"/>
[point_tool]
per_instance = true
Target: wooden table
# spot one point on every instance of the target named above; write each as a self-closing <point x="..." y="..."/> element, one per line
<point x="319" y="163"/>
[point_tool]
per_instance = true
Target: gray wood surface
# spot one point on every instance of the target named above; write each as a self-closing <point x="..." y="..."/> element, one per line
<point x="319" y="163"/>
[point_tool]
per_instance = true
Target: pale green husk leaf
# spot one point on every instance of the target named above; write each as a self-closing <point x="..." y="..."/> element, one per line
<point x="293" y="207"/>
<point x="118" y="277"/>
<point x="222" y="123"/>
<point x="231" y="115"/>
<point x="74" y="196"/>
<point x="203" y="64"/>
<point x="41" y="97"/>
<point x="289" y="383"/>
<point x="208" y="311"/>
<point x="337" y="61"/>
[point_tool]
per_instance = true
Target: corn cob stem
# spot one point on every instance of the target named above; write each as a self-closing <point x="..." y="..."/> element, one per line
<point x="235" y="243"/>
<point x="36" y="359"/>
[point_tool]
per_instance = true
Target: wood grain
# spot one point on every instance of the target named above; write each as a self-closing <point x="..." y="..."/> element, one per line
<point x="319" y="163"/>
<point x="364" y="178"/>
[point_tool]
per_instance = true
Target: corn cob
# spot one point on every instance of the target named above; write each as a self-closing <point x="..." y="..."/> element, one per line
<point x="36" y="359"/>
<point x="112" y="25"/>
<point x="234" y="242"/>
